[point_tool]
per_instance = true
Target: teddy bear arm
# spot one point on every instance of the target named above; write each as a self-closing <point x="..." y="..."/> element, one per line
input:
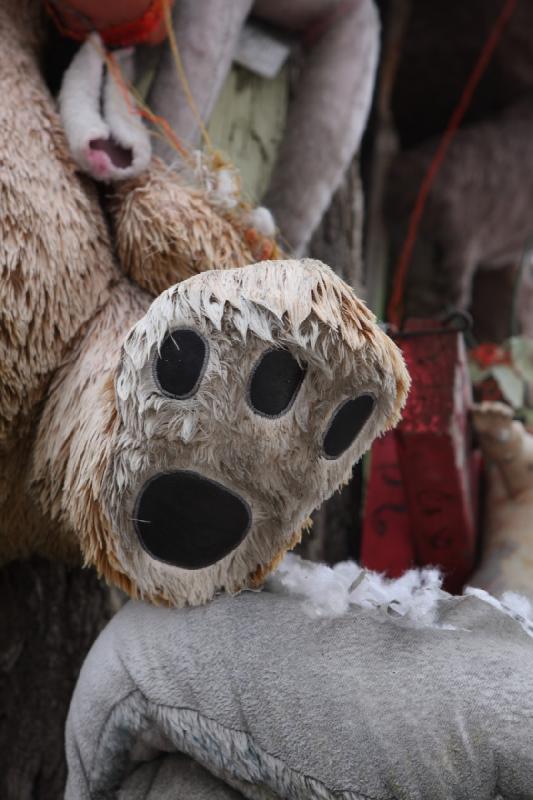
<point x="327" y="117"/>
<point x="75" y="433"/>
<point x="167" y="232"/>
<point x="206" y="40"/>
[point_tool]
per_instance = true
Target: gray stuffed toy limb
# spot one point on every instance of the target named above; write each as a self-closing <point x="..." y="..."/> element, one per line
<point x="331" y="683"/>
<point x="330" y="108"/>
<point x="478" y="213"/>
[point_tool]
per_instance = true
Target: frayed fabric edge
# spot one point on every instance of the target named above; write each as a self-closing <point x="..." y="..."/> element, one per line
<point x="413" y="599"/>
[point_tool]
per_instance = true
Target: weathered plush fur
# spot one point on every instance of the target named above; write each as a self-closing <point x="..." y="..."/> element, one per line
<point x="164" y="230"/>
<point x="82" y="423"/>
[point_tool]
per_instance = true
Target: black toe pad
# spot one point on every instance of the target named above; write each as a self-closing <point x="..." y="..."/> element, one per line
<point x="189" y="521"/>
<point x="275" y="383"/>
<point x="181" y="363"/>
<point x="346" y="423"/>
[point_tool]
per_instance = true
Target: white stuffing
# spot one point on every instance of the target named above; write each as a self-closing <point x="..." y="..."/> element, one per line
<point x="514" y="605"/>
<point x="330" y="591"/>
<point x="262" y="220"/>
<point x="221" y="184"/>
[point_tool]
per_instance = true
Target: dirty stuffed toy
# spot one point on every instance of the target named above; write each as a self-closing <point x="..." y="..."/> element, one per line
<point x="477" y="217"/>
<point x="325" y="121"/>
<point x="330" y="683"/>
<point x="176" y="444"/>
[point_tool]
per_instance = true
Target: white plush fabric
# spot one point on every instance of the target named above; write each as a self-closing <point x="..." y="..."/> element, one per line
<point x="85" y="83"/>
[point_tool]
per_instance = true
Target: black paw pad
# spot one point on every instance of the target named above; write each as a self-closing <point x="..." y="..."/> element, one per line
<point x="275" y="383"/>
<point x="346" y="423"/>
<point x="181" y="363"/>
<point x="189" y="521"/>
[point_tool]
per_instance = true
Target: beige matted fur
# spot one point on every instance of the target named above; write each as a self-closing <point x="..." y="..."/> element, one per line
<point x="81" y="423"/>
<point x="276" y="465"/>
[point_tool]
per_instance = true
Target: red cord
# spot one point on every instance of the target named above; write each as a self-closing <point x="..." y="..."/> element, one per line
<point x="395" y="307"/>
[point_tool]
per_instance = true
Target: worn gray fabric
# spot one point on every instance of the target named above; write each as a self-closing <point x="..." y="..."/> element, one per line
<point x="173" y="777"/>
<point x="331" y="104"/>
<point x="277" y="703"/>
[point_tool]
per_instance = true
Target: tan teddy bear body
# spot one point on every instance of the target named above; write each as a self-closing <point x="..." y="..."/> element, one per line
<point x="100" y="453"/>
<point x="57" y="271"/>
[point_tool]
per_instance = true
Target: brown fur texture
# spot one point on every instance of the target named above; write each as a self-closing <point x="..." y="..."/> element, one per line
<point x="56" y="269"/>
<point x="166" y="232"/>
<point x="82" y="422"/>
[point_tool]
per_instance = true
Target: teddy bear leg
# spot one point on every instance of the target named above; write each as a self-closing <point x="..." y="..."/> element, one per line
<point x="206" y="34"/>
<point x="328" y="114"/>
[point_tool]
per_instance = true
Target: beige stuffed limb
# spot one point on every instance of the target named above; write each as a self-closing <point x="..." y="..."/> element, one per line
<point x="166" y="232"/>
<point x="507" y="558"/>
<point x="179" y="444"/>
<point x="186" y="455"/>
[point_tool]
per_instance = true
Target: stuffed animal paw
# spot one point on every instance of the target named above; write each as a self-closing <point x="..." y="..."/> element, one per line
<point x="238" y="403"/>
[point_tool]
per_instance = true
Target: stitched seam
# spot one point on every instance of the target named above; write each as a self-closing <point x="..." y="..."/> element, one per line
<point x="347" y="794"/>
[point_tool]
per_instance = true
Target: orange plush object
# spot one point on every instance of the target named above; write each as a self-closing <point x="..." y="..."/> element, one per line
<point x="121" y="23"/>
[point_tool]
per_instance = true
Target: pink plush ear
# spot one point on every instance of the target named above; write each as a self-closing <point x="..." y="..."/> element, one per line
<point x="109" y="143"/>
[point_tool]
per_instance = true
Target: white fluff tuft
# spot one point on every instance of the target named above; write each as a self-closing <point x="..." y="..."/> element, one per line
<point x="511" y="604"/>
<point x="330" y="591"/>
<point x="262" y="220"/>
<point x="414" y="598"/>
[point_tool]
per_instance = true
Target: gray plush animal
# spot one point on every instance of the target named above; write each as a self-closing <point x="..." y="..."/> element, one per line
<point x="399" y="691"/>
<point x="478" y="213"/>
<point x="326" y="117"/>
<point x="329" y="111"/>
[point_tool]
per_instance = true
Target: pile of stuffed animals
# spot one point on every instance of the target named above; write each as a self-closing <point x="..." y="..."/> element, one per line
<point x="175" y="399"/>
<point x="107" y="452"/>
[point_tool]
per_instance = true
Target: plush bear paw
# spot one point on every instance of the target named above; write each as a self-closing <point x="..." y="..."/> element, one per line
<point x="244" y="396"/>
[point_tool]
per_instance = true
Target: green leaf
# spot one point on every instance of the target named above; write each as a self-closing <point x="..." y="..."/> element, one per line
<point x="528" y="417"/>
<point x="522" y="356"/>
<point x="510" y="383"/>
<point x="477" y="373"/>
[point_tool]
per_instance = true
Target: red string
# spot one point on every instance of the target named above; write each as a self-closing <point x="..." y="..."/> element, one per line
<point x="395" y="307"/>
